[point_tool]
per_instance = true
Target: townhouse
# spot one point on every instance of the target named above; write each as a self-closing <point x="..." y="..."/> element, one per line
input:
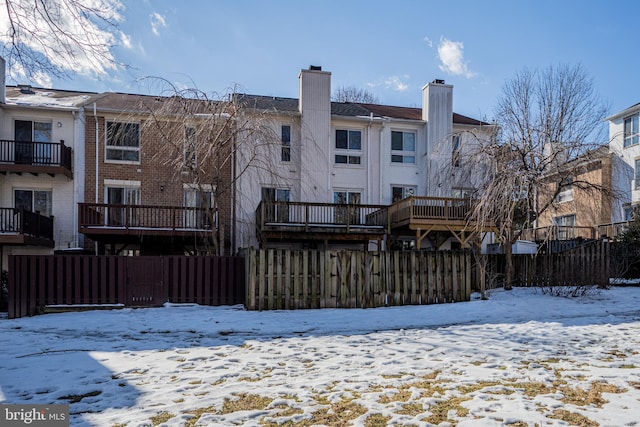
<point x="624" y="139"/>
<point x="580" y="198"/>
<point x="41" y="169"/>
<point x="129" y="174"/>
<point x="329" y="156"/>
<point x="147" y="191"/>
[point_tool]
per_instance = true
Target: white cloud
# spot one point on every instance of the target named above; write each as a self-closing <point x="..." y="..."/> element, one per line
<point x="157" y="21"/>
<point x="428" y="41"/>
<point x="125" y="39"/>
<point x="451" y="58"/>
<point x="396" y="83"/>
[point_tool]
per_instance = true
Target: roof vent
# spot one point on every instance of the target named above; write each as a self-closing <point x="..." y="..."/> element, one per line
<point x="25" y="89"/>
<point x="315" y="67"/>
<point x="439" y="81"/>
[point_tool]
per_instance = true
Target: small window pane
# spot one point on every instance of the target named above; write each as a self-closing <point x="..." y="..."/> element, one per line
<point x="409" y="159"/>
<point x="354" y="140"/>
<point x="396" y="159"/>
<point x="341" y="159"/>
<point x="409" y="141"/>
<point x="354" y="160"/>
<point x="286" y="135"/>
<point x="396" y="141"/>
<point x="341" y="139"/>
<point x="41" y="132"/>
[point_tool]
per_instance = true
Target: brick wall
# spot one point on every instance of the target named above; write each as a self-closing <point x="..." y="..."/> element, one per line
<point x="161" y="180"/>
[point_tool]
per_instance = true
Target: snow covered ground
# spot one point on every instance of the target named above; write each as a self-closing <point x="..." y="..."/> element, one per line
<point x="519" y="359"/>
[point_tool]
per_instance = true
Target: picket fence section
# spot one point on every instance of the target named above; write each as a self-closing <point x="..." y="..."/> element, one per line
<point x="295" y="279"/>
<point x="57" y="281"/>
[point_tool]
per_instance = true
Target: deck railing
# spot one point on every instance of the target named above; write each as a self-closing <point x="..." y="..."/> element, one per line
<point x="432" y="208"/>
<point x="103" y="215"/>
<point x="306" y="215"/>
<point x="557" y="232"/>
<point x="35" y="153"/>
<point x="20" y="221"/>
<point x="614" y="230"/>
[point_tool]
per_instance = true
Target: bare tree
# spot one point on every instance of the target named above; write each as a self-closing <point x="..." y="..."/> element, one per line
<point x="44" y="38"/>
<point x="353" y="94"/>
<point x="198" y="137"/>
<point x="546" y="121"/>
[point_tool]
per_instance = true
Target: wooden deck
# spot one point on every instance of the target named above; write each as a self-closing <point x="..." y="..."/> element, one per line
<point x="98" y="220"/>
<point x="19" y="227"/>
<point x="50" y="158"/>
<point x="324" y="222"/>
<point x="419" y="217"/>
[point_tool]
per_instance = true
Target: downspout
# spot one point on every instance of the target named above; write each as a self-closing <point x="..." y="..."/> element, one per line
<point x="75" y="196"/>
<point x="233" y="197"/>
<point x="382" y="167"/>
<point x="95" y="116"/>
<point x="369" y="157"/>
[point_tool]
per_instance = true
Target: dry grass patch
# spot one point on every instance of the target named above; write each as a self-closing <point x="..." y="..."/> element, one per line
<point x="245" y="402"/>
<point x="401" y="396"/>
<point x="573" y="418"/>
<point x="197" y="413"/>
<point x="376" y="420"/>
<point x="470" y="388"/>
<point x="338" y="414"/>
<point x="593" y="396"/>
<point x="162" y="417"/>
<point x="411" y="409"/>
<point x="440" y="411"/>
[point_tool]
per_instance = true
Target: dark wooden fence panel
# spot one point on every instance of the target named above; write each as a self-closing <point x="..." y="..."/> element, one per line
<point x="583" y="266"/>
<point x="292" y="279"/>
<point x="59" y="280"/>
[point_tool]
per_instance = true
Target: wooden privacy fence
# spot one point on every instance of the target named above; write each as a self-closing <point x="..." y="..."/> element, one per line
<point x="61" y="280"/>
<point x="591" y="264"/>
<point x="291" y="279"/>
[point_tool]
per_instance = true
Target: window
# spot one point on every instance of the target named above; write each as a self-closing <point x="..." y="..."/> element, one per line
<point x="120" y="215"/>
<point x="348" y="147"/>
<point x="123" y="141"/>
<point x="342" y="214"/>
<point x="33" y="201"/>
<point x="631" y="131"/>
<point x="275" y="211"/>
<point x="403" y="147"/>
<point x="399" y="193"/>
<point x="285" y="155"/>
<point x="565" y="192"/>
<point x="27" y="132"/>
<point x="198" y="201"/>
<point x="637" y="175"/>
<point x="190" y="149"/>
<point x="455" y="151"/>
<point x="462" y="193"/>
<point x="565" y="222"/>
<point x="629" y="212"/>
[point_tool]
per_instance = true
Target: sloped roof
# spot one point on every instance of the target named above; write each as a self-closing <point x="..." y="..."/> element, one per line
<point x="144" y="104"/>
<point x="348" y="109"/>
<point x="27" y="96"/>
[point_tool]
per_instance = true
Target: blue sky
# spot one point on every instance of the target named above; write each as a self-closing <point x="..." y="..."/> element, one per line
<point x="389" y="48"/>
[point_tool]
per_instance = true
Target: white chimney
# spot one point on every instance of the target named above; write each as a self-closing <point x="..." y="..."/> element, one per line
<point x="315" y="134"/>
<point x="437" y="111"/>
